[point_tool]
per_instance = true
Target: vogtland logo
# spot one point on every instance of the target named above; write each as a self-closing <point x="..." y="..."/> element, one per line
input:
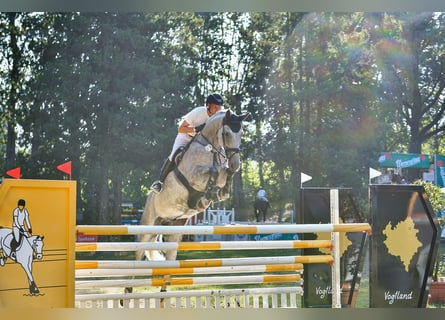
<point x="323" y="292"/>
<point x="392" y="297"/>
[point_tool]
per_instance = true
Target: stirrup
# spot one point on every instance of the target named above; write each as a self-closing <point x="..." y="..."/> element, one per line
<point x="156" y="187"/>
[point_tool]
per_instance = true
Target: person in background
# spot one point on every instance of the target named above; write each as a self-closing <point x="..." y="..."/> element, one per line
<point x="262" y="194"/>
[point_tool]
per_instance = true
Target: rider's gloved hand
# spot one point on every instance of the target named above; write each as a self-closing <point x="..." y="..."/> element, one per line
<point x="200" y="127"/>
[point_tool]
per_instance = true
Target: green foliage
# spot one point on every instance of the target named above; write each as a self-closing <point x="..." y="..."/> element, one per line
<point x="437" y="200"/>
<point x="326" y="91"/>
<point x="434" y="193"/>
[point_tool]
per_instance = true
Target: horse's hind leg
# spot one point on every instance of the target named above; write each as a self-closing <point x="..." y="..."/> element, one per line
<point x="257" y="215"/>
<point x="172" y="254"/>
<point x="140" y="255"/>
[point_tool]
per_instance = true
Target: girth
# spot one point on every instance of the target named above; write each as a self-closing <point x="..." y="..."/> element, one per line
<point x="194" y="195"/>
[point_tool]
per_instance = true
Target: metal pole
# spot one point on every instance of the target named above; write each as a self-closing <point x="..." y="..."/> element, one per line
<point x="335" y="238"/>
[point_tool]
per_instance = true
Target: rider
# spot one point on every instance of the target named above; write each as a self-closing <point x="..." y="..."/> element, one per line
<point x="20" y="219"/>
<point x="261" y="195"/>
<point x="192" y="123"/>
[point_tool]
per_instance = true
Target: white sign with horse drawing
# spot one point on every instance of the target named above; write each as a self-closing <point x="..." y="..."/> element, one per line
<point x="37" y="219"/>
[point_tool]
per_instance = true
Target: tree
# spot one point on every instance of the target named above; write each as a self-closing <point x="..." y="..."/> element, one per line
<point x="412" y="62"/>
<point x="112" y="112"/>
<point x="20" y="40"/>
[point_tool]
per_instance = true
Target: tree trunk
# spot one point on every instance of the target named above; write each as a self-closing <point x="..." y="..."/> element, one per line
<point x="103" y="193"/>
<point x="117" y="200"/>
<point x="14" y="79"/>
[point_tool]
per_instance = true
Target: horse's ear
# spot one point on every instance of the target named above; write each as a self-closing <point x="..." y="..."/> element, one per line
<point x="244" y="116"/>
<point x="228" y="116"/>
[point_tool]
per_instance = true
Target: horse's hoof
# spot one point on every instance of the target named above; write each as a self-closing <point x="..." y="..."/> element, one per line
<point x="2" y="262"/>
<point x="34" y="291"/>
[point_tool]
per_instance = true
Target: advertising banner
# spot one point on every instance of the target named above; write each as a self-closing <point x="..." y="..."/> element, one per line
<point x="404" y="160"/>
<point x="404" y="244"/>
<point x="317" y="285"/>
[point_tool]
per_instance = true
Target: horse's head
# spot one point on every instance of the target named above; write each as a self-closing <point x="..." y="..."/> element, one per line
<point x="37" y="246"/>
<point x="231" y="134"/>
<point x="224" y="130"/>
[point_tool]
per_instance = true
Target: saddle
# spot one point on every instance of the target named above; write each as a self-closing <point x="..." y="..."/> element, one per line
<point x="11" y="243"/>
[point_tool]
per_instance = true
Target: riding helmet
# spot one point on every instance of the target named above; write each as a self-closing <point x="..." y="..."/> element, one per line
<point x="215" y="98"/>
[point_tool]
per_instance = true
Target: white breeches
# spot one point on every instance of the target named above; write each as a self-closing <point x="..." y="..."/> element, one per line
<point x="181" y="140"/>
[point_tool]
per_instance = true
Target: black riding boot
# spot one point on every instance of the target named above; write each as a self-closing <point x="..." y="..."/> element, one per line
<point x="166" y="168"/>
<point x="14" y="245"/>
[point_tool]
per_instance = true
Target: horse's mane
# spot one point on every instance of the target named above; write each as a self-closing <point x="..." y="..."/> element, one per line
<point x="217" y="115"/>
<point x="215" y="121"/>
<point x="225" y="117"/>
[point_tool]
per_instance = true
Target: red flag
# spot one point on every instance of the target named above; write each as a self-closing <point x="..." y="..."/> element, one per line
<point x="65" y="167"/>
<point x="15" y="173"/>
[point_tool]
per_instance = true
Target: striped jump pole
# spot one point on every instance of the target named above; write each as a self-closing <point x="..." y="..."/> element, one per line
<point x="225" y="229"/>
<point x="190" y="246"/>
<point x="162" y="282"/>
<point x="86" y="273"/>
<point x="200" y="263"/>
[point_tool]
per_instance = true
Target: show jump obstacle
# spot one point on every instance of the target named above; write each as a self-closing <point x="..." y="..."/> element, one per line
<point x="226" y="271"/>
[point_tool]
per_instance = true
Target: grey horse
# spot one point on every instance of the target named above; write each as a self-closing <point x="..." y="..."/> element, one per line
<point x="202" y="175"/>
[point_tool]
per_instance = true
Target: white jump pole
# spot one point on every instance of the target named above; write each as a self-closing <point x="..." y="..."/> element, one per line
<point x="250" y="279"/>
<point x="190" y="246"/>
<point x="335" y="239"/>
<point x="197" y="263"/>
<point x="88" y="273"/>
<point x="225" y="229"/>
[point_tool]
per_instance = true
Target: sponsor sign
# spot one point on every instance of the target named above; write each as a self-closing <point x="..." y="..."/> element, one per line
<point x="404" y="160"/>
<point x="317" y="285"/>
<point x="404" y="243"/>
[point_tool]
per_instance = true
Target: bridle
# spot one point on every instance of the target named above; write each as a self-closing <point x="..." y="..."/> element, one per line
<point x="222" y="151"/>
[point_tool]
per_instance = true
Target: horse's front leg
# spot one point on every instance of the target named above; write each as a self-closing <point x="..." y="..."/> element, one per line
<point x="27" y="266"/>
<point x="224" y="192"/>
